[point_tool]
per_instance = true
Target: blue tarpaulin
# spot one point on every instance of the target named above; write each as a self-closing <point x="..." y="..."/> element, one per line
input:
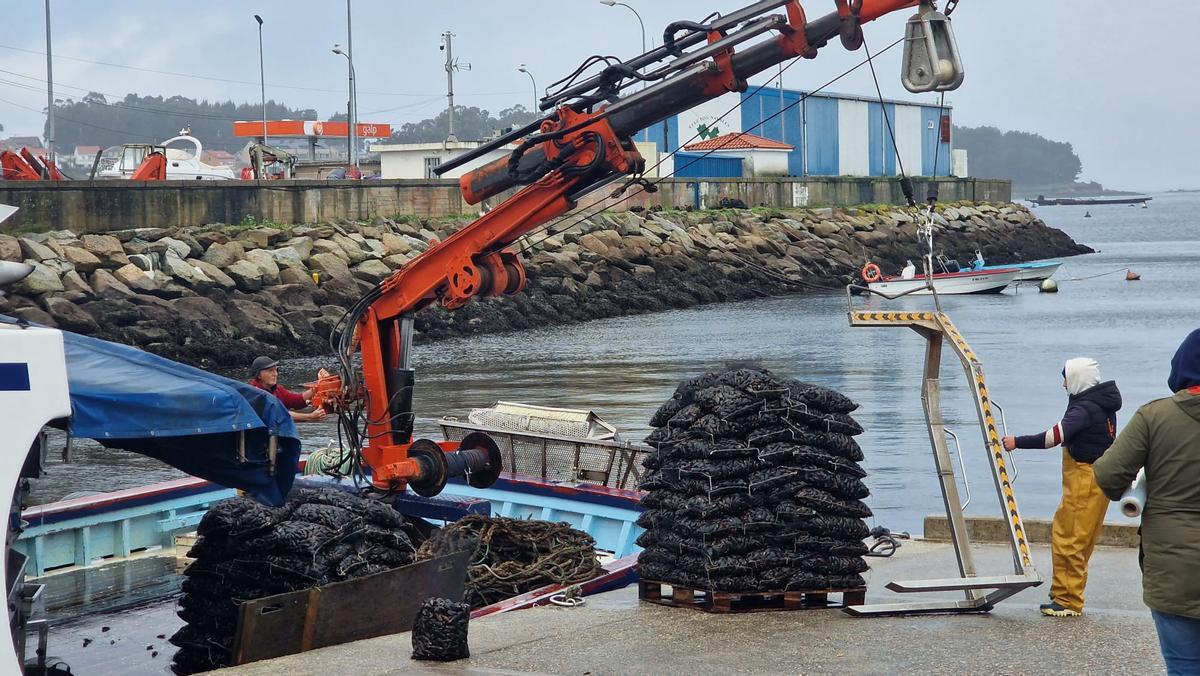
<point x="188" y="418"/>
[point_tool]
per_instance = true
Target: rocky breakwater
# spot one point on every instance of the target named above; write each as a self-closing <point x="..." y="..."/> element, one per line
<point x="218" y="295"/>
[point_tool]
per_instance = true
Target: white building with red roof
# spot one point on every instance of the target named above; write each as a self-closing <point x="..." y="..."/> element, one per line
<point x="760" y="156"/>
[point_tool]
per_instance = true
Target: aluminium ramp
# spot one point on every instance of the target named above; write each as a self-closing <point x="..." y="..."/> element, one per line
<point x="935" y="327"/>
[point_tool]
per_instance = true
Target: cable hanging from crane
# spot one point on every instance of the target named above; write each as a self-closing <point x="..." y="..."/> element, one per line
<point x="549" y="227"/>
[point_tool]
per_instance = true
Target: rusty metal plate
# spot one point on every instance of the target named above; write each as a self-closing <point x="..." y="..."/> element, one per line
<point x="376" y="605"/>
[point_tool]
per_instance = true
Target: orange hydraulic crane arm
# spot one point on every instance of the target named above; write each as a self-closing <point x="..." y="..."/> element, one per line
<point x="153" y="168"/>
<point x="16" y="168"/>
<point x="577" y="147"/>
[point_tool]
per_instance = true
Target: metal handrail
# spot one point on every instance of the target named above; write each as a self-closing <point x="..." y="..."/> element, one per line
<point x="1004" y="426"/>
<point x="962" y="465"/>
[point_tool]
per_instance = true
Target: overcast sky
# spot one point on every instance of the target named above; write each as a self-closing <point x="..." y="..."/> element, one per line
<point x="1115" y="79"/>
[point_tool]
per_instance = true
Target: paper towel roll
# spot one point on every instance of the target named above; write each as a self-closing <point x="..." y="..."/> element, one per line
<point x="1134" y="499"/>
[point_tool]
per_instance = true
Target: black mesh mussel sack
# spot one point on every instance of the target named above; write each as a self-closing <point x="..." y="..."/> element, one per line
<point x="439" y="632"/>
<point x="246" y="551"/>
<point x="754" y="487"/>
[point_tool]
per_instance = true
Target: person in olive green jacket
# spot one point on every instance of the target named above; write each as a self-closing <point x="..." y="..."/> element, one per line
<point x="1164" y="438"/>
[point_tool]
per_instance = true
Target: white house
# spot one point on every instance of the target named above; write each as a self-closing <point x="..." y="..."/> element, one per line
<point x="418" y="160"/>
<point x="760" y="156"/>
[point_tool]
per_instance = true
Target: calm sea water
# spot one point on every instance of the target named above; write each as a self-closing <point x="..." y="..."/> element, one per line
<point x="624" y="368"/>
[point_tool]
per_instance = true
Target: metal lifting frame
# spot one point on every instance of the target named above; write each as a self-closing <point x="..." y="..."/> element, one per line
<point x="935" y="327"/>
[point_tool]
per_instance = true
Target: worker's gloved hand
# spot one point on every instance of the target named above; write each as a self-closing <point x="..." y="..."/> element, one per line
<point x="1010" y="443"/>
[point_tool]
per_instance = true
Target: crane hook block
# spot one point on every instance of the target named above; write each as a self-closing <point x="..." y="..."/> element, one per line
<point x="931" y="62"/>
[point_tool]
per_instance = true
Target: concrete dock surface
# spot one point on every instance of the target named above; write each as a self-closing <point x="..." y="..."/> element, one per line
<point x="614" y="633"/>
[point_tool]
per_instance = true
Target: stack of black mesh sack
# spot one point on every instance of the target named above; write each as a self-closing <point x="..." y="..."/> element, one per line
<point x="754" y="486"/>
<point x="247" y="551"/>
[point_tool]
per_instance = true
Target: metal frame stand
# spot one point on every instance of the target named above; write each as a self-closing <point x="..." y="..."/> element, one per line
<point x="934" y="327"/>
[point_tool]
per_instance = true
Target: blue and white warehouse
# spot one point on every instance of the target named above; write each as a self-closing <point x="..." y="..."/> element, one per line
<point x="830" y="134"/>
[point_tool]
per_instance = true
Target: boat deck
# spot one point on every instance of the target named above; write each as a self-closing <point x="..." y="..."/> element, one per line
<point x="614" y="633"/>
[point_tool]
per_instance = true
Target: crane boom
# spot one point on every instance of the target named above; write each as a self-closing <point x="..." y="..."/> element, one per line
<point x="582" y="144"/>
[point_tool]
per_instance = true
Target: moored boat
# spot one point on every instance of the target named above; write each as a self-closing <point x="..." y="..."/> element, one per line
<point x="1043" y="201"/>
<point x="1027" y="272"/>
<point x="948" y="283"/>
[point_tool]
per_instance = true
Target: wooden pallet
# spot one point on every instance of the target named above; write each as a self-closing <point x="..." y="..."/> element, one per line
<point x="742" y="602"/>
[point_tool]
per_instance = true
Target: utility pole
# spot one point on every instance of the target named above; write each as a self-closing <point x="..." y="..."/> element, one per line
<point x="49" y="91"/>
<point x="449" y="49"/>
<point x="451" y="66"/>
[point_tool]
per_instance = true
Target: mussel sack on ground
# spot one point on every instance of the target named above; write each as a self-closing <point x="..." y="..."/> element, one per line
<point x="514" y="556"/>
<point x="246" y="550"/>
<point x="754" y="486"/>
<point x="439" y="631"/>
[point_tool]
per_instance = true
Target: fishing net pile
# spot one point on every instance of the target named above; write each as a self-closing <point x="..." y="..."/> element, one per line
<point x="754" y="486"/>
<point x="439" y="631"/>
<point x="247" y="550"/>
<point x="514" y="556"/>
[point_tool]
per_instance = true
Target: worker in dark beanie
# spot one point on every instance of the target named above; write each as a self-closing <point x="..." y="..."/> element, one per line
<point x="264" y="373"/>
<point x="1163" y="437"/>
<point x="1085" y="432"/>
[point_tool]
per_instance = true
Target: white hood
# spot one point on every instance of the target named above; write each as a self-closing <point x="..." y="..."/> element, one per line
<point x="1081" y="373"/>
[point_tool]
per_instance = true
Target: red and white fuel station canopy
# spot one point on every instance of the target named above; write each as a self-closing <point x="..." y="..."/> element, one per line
<point x="303" y="128"/>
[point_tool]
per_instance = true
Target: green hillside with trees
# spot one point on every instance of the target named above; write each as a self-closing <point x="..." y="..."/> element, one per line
<point x="1033" y="163"/>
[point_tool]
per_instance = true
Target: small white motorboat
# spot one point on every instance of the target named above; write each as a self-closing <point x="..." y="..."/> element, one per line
<point x="1028" y="272"/>
<point x="946" y="283"/>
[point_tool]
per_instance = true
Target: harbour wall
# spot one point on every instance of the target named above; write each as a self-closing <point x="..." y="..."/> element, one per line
<point x="102" y="206"/>
<point x="218" y="296"/>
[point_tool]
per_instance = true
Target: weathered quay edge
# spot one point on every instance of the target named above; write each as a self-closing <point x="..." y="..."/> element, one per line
<point x="216" y="295"/>
<point x="614" y="633"/>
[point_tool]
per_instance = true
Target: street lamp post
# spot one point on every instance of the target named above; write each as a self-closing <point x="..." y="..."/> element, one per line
<point x="49" y="91"/>
<point x="525" y="70"/>
<point x="614" y="3"/>
<point x="351" y="109"/>
<point x="261" y="77"/>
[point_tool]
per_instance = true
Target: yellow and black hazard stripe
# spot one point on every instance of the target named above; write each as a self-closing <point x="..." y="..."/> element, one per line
<point x="893" y="317"/>
<point x="995" y="447"/>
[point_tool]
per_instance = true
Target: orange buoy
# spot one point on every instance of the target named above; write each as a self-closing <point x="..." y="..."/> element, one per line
<point x="871" y="273"/>
<point x="1131" y="276"/>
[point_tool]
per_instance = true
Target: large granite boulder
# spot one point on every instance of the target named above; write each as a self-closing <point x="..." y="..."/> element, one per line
<point x="324" y="246"/>
<point x="73" y="281"/>
<point x="107" y="286"/>
<point x="107" y="248"/>
<point x="288" y="257"/>
<point x="266" y="263"/>
<point x="252" y="319"/>
<point x="69" y="316"/>
<point x="222" y="255"/>
<point x="247" y="275"/>
<point x="373" y="271"/>
<point x="260" y="238"/>
<point x="83" y="260"/>
<point x="299" y="276"/>
<point x="10" y="249"/>
<point x="329" y="266"/>
<point x="212" y="272"/>
<point x="43" y="279"/>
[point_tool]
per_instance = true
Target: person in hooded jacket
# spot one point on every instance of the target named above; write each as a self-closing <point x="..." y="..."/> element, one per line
<point x="1085" y="432"/>
<point x="1163" y="437"/>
